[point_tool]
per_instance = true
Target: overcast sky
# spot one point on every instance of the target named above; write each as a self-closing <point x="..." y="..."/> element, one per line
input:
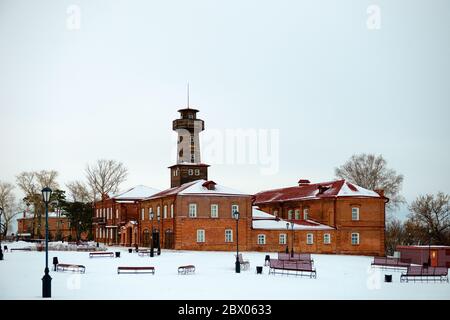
<point x="320" y="75"/>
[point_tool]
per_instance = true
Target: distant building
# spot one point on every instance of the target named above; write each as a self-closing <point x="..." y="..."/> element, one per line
<point x="58" y="226"/>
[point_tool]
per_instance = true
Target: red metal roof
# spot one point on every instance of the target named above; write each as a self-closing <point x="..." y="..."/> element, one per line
<point x="311" y="191"/>
<point x="172" y="191"/>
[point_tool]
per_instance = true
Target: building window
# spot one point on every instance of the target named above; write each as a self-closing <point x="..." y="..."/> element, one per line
<point x="297" y="214"/>
<point x="117" y="213"/>
<point x="305" y="214"/>
<point x="326" y="238"/>
<point x="175" y="172"/>
<point x="290" y="215"/>
<point x="261" y="239"/>
<point x="142" y="214"/>
<point x="165" y="212"/>
<point x="197" y="172"/>
<point x="283" y="238"/>
<point x="171" y="210"/>
<point x="214" y="211"/>
<point x="158" y="212"/>
<point x="228" y="235"/>
<point x="355" y="213"/>
<point x="190" y="172"/>
<point x="192" y="210"/>
<point x="150" y="213"/>
<point x="234" y="208"/>
<point x="275" y="213"/>
<point x="355" y="238"/>
<point x="309" y="238"/>
<point x="96" y="212"/>
<point x="200" y="235"/>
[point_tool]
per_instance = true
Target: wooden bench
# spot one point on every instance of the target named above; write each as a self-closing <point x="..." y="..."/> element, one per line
<point x="101" y="254"/>
<point x="20" y="249"/>
<point x="70" y="267"/>
<point x="136" y="270"/>
<point x="390" y="263"/>
<point x="144" y="253"/>
<point x="245" y="264"/>
<point x="186" y="269"/>
<point x="420" y="273"/>
<point x="299" y="267"/>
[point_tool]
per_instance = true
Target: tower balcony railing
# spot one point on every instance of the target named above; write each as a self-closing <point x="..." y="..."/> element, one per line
<point x="189" y="124"/>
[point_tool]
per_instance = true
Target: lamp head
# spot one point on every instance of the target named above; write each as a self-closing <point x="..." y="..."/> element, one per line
<point x="46" y="194"/>
<point x="236" y="215"/>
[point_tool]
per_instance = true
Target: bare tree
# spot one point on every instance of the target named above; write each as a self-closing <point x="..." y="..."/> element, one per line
<point x="8" y="204"/>
<point x="432" y="213"/>
<point x="371" y="172"/>
<point x="79" y="191"/>
<point x="105" y="176"/>
<point x="395" y="235"/>
<point x="31" y="183"/>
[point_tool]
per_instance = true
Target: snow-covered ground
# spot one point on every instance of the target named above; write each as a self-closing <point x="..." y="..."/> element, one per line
<point x="338" y="277"/>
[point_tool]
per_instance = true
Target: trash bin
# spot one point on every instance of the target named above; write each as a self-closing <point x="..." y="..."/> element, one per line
<point x="117" y="254"/>
<point x="55" y="262"/>
<point x="388" y="278"/>
<point x="259" y="269"/>
<point x="130" y="250"/>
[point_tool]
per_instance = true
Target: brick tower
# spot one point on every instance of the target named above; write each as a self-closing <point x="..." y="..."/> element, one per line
<point x="189" y="167"/>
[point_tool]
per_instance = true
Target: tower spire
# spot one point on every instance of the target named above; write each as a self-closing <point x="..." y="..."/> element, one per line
<point x="188" y="95"/>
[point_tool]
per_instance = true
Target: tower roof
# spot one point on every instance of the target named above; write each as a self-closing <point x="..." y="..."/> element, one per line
<point x="188" y="109"/>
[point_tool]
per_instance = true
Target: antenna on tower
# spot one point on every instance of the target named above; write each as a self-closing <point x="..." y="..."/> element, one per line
<point x="188" y="95"/>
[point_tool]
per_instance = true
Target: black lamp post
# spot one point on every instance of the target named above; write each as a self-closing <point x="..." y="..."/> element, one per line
<point x="429" y="247"/>
<point x="1" y="233"/>
<point x="159" y="244"/>
<point x="238" y="264"/>
<point x="293" y="235"/>
<point x="287" y="244"/>
<point x="46" y="280"/>
<point x="153" y="232"/>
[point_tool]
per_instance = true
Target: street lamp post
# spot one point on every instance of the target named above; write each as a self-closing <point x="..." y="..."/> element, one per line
<point x="429" y="247"/>
<point x="287" y="244"/>
<point x="238" y="264"/>
<point x="293" y="235"/>
<point x="1" y="233"/>
<point x="153" y="232"/>
<point x="46" y="280"/>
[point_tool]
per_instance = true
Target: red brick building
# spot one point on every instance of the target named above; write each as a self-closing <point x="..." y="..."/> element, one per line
<point x="58" y="226"/>
<point x="331" y="217"/>
<point x="196" y="213"/>
<point x="111" y="214"/>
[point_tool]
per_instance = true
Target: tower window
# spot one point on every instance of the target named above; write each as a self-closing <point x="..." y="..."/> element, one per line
<point x="197" y="172"/>
<point x="190" y="172"/>
<point x="190" y="116"/>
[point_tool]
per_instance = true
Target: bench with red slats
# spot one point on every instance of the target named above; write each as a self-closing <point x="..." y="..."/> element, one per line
<point x="101" y="254"/>
<point x="135" y="270"/>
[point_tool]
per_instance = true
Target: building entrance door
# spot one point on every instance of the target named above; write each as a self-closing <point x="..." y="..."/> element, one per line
<point x="434" y="258"/>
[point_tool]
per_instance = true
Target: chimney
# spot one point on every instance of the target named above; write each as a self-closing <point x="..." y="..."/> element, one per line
<point x="303" y="182"/>
<point x="380" y="192"/>
<point x="210" y="185"/>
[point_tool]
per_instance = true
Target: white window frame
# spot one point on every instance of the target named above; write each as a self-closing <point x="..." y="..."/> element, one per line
<point x="171" y="210"/>
<point x="165" y="212"/>
<point x="214" y="210"/>
<point x="305" y="213"/>
<point x="290" y="214"/>
<point x="275" y="213"/>
<point x="190" y="172"/>
<point x="142" y="214"/>
<point x="297" y="214"/>
<point x="326" y="238"/>
<point x="261" y="239"/>
<point x="310" y="238"/>
<point x="197" y="172"/>
<point x="117" y="213"/>
<point x="282" y="238"/>
<point x="201" y="236"/>
<point x="192" y="210"/>
<point x="150" y="211"/>
<point x="355" y="210"/>
<point x="96" y="212"/>
<point x="228" y="235"/>
<point x="357" y="238"/>
<point x="234" y="208"/>
<point x="158" y="212"/>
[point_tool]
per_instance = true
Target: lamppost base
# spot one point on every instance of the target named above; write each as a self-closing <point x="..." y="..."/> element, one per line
<point x="1" y="254"/>
<point x="292" y="253"/>
<point x="238" y="266"/>
<point x="46" y="285"/>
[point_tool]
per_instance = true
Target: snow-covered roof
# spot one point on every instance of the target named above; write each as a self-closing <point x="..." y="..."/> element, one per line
<point x="137" y="192"/>
<point x="263" y="220"/>
<point x="305" y="191"/>
<point x="30" y="215"/>
<point x="197" y="188"/>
